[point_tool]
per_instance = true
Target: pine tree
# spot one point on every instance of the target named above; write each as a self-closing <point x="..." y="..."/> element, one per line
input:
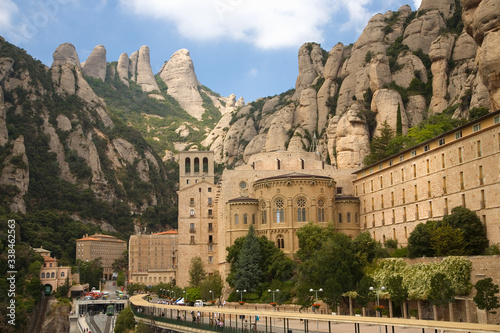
<point x="399" y="122"/>
<point x="248" y="271"/>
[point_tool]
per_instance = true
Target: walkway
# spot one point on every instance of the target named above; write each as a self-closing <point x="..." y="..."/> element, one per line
<point x="273" y="321"/>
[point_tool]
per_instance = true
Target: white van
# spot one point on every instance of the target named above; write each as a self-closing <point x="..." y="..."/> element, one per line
<point x="198" y="302"/>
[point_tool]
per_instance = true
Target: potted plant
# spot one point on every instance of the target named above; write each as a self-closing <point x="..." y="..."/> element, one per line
<point x="241" y="302"/>
<point x="316" y="305"/>
<point x="378" y="308"/>
<point x="273" y="304"/>
<point x="385" y="313"/>
<point x="413" y="314"/>
<point x="357" y="312"/>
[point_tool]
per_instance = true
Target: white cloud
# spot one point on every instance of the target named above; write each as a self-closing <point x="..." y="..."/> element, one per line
<point x="253" y="72"/>
<point x="266" y="24"/>
<point x="359" y="14"/>
<point x="417" y="4"/>
<point x="9" y="9"/>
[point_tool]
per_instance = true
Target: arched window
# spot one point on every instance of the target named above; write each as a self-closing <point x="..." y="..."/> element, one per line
<point x="263" y="213"/>
<point x="302" y="164"/>
<point x="301" y="210"/>
<point x="187" y="165"/>
<point x="278" y="163"/>
<point x="52" y="275"/>
<point x="236" y="219"/>
<point x="62" y="274"/>
<point x="245" y="218"/>
<point x="321" y="210"/>
<point x="205" y="165"/>
<point x="43" y="275"/>
<point x="280" y="211"/>
<point x="253" y="218"/>
<point x="196" y="165"/>
<point x="280" y="242"/>
<point x="348" y="217"/>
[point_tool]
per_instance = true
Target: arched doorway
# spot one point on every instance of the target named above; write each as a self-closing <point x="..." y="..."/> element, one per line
<point x="47" y="289"/>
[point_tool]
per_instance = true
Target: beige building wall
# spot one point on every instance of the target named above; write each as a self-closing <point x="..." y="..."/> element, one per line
<point x="458" y="168"/>
<point x="295" y="178"/>
<point x="106" y="247"/>
<point x="52" y="274"/>
<point x="153" y="258"/>
<point x="197" y="213"/>
<point x="461" y="167"/>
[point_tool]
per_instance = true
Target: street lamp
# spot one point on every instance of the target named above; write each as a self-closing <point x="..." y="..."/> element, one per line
<point x="316" y="291"/>
<point x="211" y="292"/>
<point x="161" y="292"/>
<point x="273" y="291"/>
<point x="241" y="294"/>
<point x="378" y="302"/>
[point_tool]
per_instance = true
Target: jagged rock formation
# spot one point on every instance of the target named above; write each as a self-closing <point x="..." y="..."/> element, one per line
<point x="61" y="136"/>
<point x="122" y="68"/>
<point x="387" y="69"/>
<point x="16" y="173"/>
<point x="482" y="22"/>
<point x="145" y="77"/>
<point x="180" y="78"/>
<point x="95" y="65"/>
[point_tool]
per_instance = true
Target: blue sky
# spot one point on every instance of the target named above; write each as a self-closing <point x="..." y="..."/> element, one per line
<point x="245" y="47"/>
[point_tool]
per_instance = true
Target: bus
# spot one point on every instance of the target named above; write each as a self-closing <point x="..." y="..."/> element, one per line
<point x="110" y="310"/>
<point x="119" y="293"/>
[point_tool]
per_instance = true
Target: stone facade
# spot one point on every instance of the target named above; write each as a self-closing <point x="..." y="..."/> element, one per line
<point x="280" y="191"/>
<point x="153" y="258"/>
<point x="197" y="213"/>
<point x="50" y="273"/>
<point x="277" y="192"/>
<point x="458" y="168"/>
<point x="108" y="248"/>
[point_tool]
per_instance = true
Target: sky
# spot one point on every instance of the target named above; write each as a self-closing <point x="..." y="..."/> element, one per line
<point x="244" y="47"/>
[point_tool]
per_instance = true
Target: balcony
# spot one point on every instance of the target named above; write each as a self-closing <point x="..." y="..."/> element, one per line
<point x="192" y="230"/>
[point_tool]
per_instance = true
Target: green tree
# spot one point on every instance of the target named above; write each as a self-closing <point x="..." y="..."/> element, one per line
<point x="399" y="122"/>
<point x="142" y="328"/>
<point x="90" y="272"/>
<point x="125" y="321"/>
<point x="379" y="145"/>
<point x="311" y="238"/>
<point x="474" y="233"/>
<point x="486" y="298"/>
<point x="367" y="249"/>
<point x="212" y="286"/>
<point x="448" y="241"/>
<point x="121" y="264"/>
<point x="397" y="291"/>
<point x="333" y="267"/>
<point x="419" y="241"/>
<point x="196" y="272"/>
<point x="120" y="280"/>
<point x="63" y="290"/>
<point x="363" y="293"/>
<point x="248" y="272"/>
<point x="441" y="291"/>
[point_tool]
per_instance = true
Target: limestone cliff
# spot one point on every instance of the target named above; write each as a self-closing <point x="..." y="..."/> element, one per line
<point x="418" y="62"/>
<point x="60" y="147"/>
